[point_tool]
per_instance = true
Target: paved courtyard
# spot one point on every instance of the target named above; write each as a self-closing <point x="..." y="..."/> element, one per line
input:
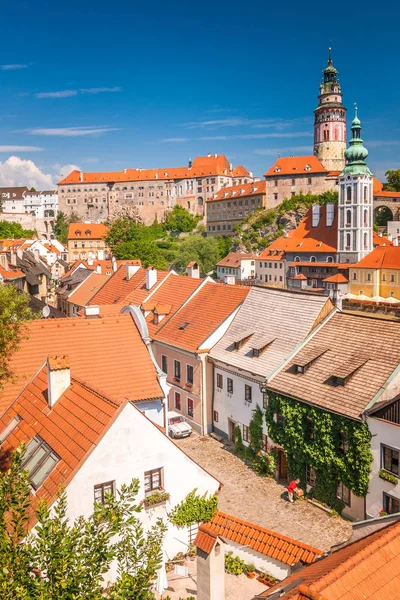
<point x="259" y="499"/>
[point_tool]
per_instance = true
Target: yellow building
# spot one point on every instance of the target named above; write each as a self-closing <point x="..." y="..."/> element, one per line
<point x="377" y="274"/>
<point x="86" y="240"/>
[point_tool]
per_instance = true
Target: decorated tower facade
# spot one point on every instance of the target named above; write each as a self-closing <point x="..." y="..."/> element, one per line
<point x="330" y="121"/>
<point x="355" y="204"/>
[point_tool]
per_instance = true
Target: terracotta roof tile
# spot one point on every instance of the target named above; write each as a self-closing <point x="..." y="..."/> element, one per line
<point x="258" y="538"/>
<point x="240" y="171"/>
<point x="201" y="316"/>
<point x="87" y="231"/>
<point x="295" y="165"/>
<point x="337" y="278"/>
<point x="382" y="257"/>
<point x="87" y="289"/>
<point x="239" y="191"/>
<point x="233" y="259"/>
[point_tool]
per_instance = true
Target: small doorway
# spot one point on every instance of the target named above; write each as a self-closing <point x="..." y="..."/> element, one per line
<point x="231" y="430"/>
<point x="282" y="465"/>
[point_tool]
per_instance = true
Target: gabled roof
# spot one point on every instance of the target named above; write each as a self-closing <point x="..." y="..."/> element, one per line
<point x="345" y="336"/>
<point x="107" y="353"/>
<point x="295" y="165"/>
<point x="201" y="316"/>
<point x="87" y="289"/>
<point x="368" y="568"/>
<point x="272" y="544"/>
<point x="72" y="428"/>
<point x="337" y="278"/>
<point x="240" y="171"/>
<point x="381" y="257"/>
<point x="87" y="231"/>
<point x="234" y="259"/>
<point x="280" y="315"/>
<point x="119" y="290"/>
<point x="239" y="191"/>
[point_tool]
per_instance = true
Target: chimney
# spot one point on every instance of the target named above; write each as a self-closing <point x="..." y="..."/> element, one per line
<point x="92" y="311"/>
<point x="100" y="254"/>
<point x="36" y="254"/>
<point x="215" y="155"/>
<point x="13" y="258"/>
<point x="251" y="174"/>
<point x="315" y="214"/>
<point x="193" y="270"/>
<point x="209" y="155"/>
<point x="229" y="279"/>
<point x="98" y="269"/>
<point x="396" y="241"/>
<point x="151" y="277"/>
<point x="80" y="175"/>
<point x="131" y="270"/>
<point x="114" y="263"/>
<point x="90" y="261"/>
<point x="330" y="214"/>
<point x="58" y="377"/>
<point x="285" y="234"/>
<point x="389" y="237"/>
<point x="190" y="163"/>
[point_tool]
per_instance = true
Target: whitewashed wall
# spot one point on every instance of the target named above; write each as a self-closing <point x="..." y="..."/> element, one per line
<point x="274" y="567"/>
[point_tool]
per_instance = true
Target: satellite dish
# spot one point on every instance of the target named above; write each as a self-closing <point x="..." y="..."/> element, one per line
<point x="46" y="311"/>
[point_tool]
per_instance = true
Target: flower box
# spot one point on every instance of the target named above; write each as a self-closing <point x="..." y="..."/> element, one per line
<point x="156" y="499"/>
<point x="388" y="476"/>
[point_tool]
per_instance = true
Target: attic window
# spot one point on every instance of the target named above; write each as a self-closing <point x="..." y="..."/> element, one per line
<point x="307" y="168"/>
<point x="242" y="340"/>
<point x="78" y="233"/>
<point x="9" y="428"/>
<point x="261" y="346"/>
<point x="39" y="459"/>
<point x="184" y="325"/>
<point x="88" y="232"/>
<point x="345" y="371"/>
<point x="277" y="169"/>
<point x="305" y="359"/>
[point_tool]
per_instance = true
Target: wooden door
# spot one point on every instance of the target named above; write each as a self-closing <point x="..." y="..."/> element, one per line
<point x="231" y="430"/>
<point x="282" y="465"/>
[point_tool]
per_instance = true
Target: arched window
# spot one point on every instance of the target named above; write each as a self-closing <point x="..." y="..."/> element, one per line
<point x="365" y="194"/>
<point x="297" y="259"/>
<point x="313" y="259"/>
<point x="365" y="218"/>
<point x="365" y="240"/>
<point x="348" y="217"/>
<point x="348" y="241"/>
<point x="329" y="259"/>
<point x="348" y="194"/>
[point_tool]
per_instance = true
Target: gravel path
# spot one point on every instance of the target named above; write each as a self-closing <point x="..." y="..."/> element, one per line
<point x="259" y="500"/>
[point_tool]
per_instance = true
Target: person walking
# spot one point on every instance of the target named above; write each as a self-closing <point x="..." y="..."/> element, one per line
<point x="293" y="489"/>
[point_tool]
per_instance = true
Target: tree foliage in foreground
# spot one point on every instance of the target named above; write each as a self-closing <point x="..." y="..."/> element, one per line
<point x="14" y="314"/>
<point x="68" y="560"/>
<point x="15" y="231"/>
<point x="393" y="181"/>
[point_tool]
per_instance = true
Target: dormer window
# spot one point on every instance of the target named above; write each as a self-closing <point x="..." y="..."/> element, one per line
<point x="78" y="233"/>
<point x="307" y="168"/>
<point x="88" y="232"/>
<point x="341" y="374"/>
<point x="261" y="346"/>
<point x="305" y="359"/>
<point x="277" y="169"/>
<point x="242" y="340"/>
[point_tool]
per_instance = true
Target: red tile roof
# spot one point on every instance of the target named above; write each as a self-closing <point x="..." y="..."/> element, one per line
<point x="337" y="278"/>
<point x="367" y="569"/>
<point x="11" y="273"/>
<point x="72" y="427"/>
<point x="119" y="290"/>
<point x="240" y="171"/>
<point x="87" y="289"/>
<point x="233" y="259"/>
<point x="295" y="165"/>
<point x="381" y="257"/>
<point x="380" y="240"/>
<point x="259" y="539"/>
<point x="107" y="353"/>
<point x="87" y="231"/>
<point x="201" y="166"/>
<point x="201" y="316"/>
<point x="239" y="191"/>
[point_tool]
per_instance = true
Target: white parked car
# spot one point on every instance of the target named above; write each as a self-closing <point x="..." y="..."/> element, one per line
<point x="177" y="426"/>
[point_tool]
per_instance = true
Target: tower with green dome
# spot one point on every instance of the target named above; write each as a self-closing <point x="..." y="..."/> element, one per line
<point x="355" y="204"/>
<point x="330" y="121"/>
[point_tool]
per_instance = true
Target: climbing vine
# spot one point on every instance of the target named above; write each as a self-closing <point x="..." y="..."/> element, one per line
<point x="194" y="509"/>
<point x="337" y="448"/>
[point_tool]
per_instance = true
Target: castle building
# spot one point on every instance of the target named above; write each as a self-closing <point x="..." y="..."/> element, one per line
<point x="355" y="205"/>
<point x="330" y="121"/>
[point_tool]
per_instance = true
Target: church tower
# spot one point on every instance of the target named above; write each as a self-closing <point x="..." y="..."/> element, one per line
<point x="355" y="204"/>
<point x="330" y="121"/>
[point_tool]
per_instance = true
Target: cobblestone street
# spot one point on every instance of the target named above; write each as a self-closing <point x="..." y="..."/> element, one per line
<point x="259" y="499"/>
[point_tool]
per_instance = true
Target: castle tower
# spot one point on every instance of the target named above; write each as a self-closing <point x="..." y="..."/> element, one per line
<point x="330" y="121"/>
<point x="355" y="205"/>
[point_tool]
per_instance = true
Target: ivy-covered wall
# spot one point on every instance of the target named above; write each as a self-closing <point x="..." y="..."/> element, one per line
<point x="314" y="437"/>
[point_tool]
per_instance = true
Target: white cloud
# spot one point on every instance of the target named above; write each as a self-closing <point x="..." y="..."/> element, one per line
<point x="64" y="170"/>
<point x="70" y="93"/>
<point x="71" y="131"/>
<point x="62" y="94"/>
<point x="17" y="171"/>
<point x="20" y="149"/>
<point x="13" y="67"/>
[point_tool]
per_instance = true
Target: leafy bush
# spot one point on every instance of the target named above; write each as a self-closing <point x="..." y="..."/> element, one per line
<point x="239" y="446"/>
<point x="264" y="464"/>
<point x="194" y="509"/>
<point x="234" y="564"/>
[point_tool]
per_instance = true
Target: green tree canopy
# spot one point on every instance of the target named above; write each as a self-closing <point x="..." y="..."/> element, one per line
<point x="61" y="224"/>
<point x="393" y="180"/>
<point x="15" y="231"/>
<point x="179" y="220"/>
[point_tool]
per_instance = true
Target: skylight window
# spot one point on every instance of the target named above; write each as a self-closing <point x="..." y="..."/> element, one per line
<point x="9" y="428"/>
<point x="184" y="325"/>
<point x="39" y="460"/>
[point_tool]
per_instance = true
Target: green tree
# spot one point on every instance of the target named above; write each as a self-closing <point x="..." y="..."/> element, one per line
<point x="205" y="251"/>
<point x="179" y="220"/>
<point x="393" y="181"/>
<point x="14" y="314"/>
<point x="61" y="225"/>
<point x="68" y="560"/>
<point x="15" y="231"/>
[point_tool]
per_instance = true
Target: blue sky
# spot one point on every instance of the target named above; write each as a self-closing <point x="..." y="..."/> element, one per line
<point x="108" y="85"/>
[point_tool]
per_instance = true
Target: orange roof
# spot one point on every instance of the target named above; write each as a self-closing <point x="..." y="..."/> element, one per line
<point x="11" y="273"/>
<point x="306" y="238"/>
<point x="380" y="240"/>
<point x="299" y="276"/>
<point x="107" y="353"/>
<point x="295" y="165"/>
<point x="87" y="289"/>
<point x="368" y="568"/>
<point x="201" y="316"/>
<point x="381" y="257"/>
<point x="174" y="291"/>
<point x="201" y="166"/>
<point x="337" y="278"/>
<point x="259" y="539"/>
<point x="233" y="259"/>
<point x="119" y="290"/>
<point x="87" y="231"/>
<point x="377" y="186"/>
<point x="239" y="191"/>
<point x="8" y="244"/>
<point x="72" y="428"/>
<point x="271" y="254"/>
<point x="240" y="171"/>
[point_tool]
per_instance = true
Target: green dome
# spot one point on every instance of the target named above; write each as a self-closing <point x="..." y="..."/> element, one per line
<point x="356" y="154"/>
